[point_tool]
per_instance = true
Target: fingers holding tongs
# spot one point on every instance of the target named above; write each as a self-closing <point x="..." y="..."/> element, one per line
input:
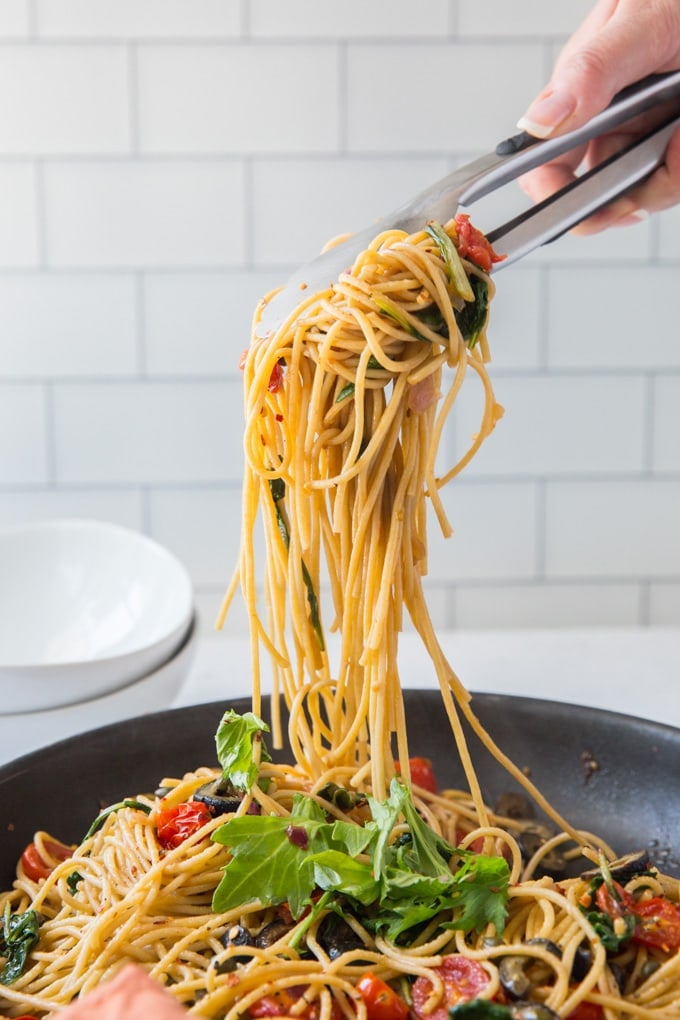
<point x="596" y="187"/>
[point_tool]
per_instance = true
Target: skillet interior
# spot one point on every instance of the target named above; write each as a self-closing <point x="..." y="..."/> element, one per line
<point x="632" y="798"/>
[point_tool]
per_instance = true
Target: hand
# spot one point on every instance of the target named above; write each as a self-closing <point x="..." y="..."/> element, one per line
<point x="620" y="42"/>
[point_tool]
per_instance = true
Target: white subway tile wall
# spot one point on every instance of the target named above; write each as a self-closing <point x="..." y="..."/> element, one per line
<point x="163" y="163"/>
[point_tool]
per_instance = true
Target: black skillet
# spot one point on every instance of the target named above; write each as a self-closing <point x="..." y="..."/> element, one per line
<point x="609" y="773"/>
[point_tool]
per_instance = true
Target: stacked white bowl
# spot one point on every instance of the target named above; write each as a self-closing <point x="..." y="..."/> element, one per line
<point x="97" y="624"/>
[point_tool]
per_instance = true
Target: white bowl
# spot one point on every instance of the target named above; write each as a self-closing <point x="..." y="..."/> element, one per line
<point x="22" y="732"/>
<point x="85" y="607"/>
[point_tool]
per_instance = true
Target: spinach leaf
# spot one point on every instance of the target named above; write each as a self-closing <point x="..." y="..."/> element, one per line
<point x="455" y="269"/>
<point x="127" y="803"/>
<point x="472" y="317"/>
<point x="72" y="881"/>
<point x="480" y="1009"/>
<point x="277" y="487"/>
<point x="19" y="935"/>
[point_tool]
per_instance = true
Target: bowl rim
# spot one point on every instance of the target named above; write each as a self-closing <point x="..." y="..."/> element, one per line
<point x="174" y="635"/>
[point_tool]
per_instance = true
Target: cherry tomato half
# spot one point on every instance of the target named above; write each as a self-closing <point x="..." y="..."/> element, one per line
<point x="382" y="1002"/>
<point x="421" y="773"/>
<point x="463" y="980"/>
<point x="175" y="824"/>
<point x="658" y="923"/>
<point x="473" y="245"/>
<point x="35" y="866"/>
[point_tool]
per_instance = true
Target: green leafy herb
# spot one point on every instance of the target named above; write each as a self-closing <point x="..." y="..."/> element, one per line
<point x="235" y="740"/>
<point x="398" y="883"/>
<point x="72" y="881"/>
<point x="612" y="936"/>
<point x="472" y="317"/>
<point x="395" y="313"/>
<point x="277" y="487"/>
<point x="18" y="936"/>
<point x="455" y="270"/>
<point x="432" y="317"/>
<point x="345" y="392"/>
<point x="99" y="820"/>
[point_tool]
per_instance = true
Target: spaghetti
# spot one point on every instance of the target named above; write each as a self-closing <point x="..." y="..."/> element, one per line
<point x="397" y="897"/>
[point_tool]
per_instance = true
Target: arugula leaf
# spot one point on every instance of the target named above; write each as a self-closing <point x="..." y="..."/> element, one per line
<point x="472" y="317"/>
<point x="398" y="884"/>
<point x="334" y="870"/>
<point x="18" y="936"/>
<point x="266" y="865"/>
<point x="235" y="740"/>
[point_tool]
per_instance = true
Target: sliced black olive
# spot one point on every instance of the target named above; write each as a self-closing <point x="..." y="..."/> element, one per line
<point x="218" y="797"/>
<point x="237" y="935"/>
<point x="648" y="968"/>
<point x="336" y="937"/>
<point x="531" y="840"/>
<point x="271" y="933"/>
<point x="623" y="869"/>
<point x="514" y="805"/>
<point x="491" y="942"/>
<point x="532" y="1011"/>
<point x="583" y="961"/>
<point x="513" y="970"/>
<point x="513" y="976"/>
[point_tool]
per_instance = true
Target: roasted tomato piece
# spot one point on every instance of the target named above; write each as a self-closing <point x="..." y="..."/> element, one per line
<point x="473" y="245"/>
<point x="276" y="378"/>
<point x="587" y="1011"/>
<point x="35" y="866"/>
<point x="177" y="823"/>
<point x="658" y="923"/>
<point x="382" y="1002"/>
<point x="421" y="773"/>
<point x="463" y="980"/>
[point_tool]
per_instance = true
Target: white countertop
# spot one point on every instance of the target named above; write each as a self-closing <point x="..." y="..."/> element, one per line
<point x="631" y="670"/>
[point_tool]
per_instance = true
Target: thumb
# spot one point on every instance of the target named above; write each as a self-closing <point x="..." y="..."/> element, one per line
<point x="588" y="75"/>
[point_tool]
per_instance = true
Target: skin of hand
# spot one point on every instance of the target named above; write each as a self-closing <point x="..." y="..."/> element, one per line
<point x="620" y="42"/>
<point x="130" y="995"/>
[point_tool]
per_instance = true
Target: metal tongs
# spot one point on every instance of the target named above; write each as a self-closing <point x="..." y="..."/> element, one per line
<point x="511" y="158"/>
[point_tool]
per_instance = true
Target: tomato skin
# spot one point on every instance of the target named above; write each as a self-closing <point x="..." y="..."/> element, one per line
<point x="473" y="245"/>
<point x="463" y="980"/>
<point x="658" y="923"/>
<point x="421" y="773"/>
<point x="35" y="867"/>
<point x="587" y="1011"/>
<point x="382" y="1002"/>
<point x="175" y="824"/>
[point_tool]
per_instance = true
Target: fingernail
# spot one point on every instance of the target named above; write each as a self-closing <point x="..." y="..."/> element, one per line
<point x="639" y="216"/>
<point x="547" y="113"/>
